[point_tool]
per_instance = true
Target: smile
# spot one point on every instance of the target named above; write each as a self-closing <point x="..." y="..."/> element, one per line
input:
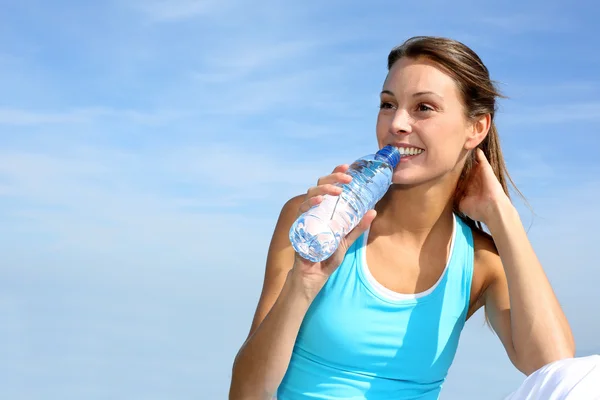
<point x="409" y="151"/>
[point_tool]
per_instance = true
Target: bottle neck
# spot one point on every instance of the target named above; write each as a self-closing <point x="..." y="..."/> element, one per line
<point x="390" y="155"/>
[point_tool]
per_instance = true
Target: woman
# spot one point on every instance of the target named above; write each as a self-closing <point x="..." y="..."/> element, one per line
<point x="381" y="318"/>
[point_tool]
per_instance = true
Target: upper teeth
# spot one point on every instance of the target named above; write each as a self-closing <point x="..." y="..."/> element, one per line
<point x="409" y="151"/>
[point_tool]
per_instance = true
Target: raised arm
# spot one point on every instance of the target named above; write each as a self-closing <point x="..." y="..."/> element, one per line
<point x="520" y="302"/>
<point x="521" y="305"/>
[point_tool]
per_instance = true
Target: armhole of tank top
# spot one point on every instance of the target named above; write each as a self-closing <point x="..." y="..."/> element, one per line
<point x="469" y="265"/>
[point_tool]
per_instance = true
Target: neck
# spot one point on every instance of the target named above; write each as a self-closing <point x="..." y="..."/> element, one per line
<point x="415" y="210"/>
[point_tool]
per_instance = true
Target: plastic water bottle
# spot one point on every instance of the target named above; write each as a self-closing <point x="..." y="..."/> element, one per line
<point x="316" y="234"/>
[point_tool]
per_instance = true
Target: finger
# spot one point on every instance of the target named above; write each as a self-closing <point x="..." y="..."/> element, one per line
<point x="480" y="157"/>
<point x="362" y="226"/>
<point x="320" y="190"/>
<point x="310" y="203"/>
<point x="341" y="168"/>
<point x="335" y="177"/>
<point x="483" y="161"/>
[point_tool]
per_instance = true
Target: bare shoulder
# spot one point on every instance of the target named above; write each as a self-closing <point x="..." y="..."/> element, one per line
<point x="280" y="259"/>
<point x="485" y="249"/>
<point x="280" y="256"/>
<point x="280" y="240"/>
<point x="487" y="268"/>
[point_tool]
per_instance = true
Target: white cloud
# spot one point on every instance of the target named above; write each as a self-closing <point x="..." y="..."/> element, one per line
<point x="23" y="117"/>
<point x="86" y="199"/>
<point x="231" y="166"/>
<point x="125" y="249"/>
<point x="253" y="76"/>
<point x="250" y="54"/>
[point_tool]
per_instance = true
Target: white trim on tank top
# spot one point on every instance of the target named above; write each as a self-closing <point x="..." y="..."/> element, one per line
<point x="390" y="294"/>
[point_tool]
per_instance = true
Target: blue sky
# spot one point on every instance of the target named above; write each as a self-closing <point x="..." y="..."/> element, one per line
<point x="142" y="141"/>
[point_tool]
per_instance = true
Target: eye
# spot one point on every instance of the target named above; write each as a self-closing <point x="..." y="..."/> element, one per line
<point x="422" y="107"/>
<point x="386" y="106"/>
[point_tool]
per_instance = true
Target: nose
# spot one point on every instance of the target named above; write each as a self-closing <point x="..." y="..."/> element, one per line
<point x="402" y="123"/>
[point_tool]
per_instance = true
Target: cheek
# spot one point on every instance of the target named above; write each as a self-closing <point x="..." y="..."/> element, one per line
<point x="382" y="128"/>
<point x="444" y="135"/>
<point x="444" y="145"/>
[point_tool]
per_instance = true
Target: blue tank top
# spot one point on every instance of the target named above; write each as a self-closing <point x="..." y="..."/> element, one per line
<point x="360" y="340"/>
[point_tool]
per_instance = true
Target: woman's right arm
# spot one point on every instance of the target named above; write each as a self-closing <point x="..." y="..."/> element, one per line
<point x="291" y="283"/>
<point x="262" y="361"/>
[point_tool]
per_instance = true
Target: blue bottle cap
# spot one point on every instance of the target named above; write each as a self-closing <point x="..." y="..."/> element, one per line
<point x="391" y="154"/>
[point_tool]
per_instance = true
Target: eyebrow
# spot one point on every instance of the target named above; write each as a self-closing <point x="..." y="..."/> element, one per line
<point x="388" y="92"/>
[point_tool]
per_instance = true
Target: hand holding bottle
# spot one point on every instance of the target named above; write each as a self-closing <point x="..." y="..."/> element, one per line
<point x="313" y="275"/>
<point x="316" y="234"/>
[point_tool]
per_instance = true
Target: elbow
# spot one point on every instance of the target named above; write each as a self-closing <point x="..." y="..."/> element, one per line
<point x="555" y="347"/>
<point x="238" y="393"/>
<point x="243" y="386"/>
<point x="236" y="389"/>
<point x="530" y="363"/>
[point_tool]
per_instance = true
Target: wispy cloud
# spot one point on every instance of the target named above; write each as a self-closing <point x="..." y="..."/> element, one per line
<point x="531" y="166"/>
<point x="244" y="167"/>
<point x="527" y="22"/>
<point x="147" y="148"/>
<point x="554" y="114"/>
<point x="13" y="116"/>
<point x="90" y="198"/>
<point x="277" y="79"/>
<point x="251" y="54"/>
<point x="284" y="92"/>
<point x="571" y="89"/>
<point x="175" y="10"/>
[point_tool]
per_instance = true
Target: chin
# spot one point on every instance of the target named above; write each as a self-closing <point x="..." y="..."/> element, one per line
<point x="402" y="178"/>
<point x="406" y="180"/>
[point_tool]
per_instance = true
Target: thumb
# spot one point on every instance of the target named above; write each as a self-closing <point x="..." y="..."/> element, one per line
<point x="362" y="226"/>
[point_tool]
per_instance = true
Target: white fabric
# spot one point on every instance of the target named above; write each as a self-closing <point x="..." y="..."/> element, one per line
<point x="569" y="379"/>
<point x="572" y="379"/>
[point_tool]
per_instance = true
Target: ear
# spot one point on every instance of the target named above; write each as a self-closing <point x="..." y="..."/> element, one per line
<point x="478" y="130"/>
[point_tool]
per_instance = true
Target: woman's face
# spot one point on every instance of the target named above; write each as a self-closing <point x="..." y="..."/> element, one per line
<point x="422" y="111"/>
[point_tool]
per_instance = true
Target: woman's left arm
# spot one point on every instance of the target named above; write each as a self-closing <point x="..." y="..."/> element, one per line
<point x="518" y="297"/>
<point x="520" y="302"/>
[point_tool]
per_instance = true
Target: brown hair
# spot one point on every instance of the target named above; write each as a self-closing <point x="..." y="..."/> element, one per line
<point x="478" y="93"/>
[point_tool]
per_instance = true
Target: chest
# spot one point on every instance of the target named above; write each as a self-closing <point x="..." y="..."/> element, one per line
<point x="349" y="328"/>
<point x="405" y="272"/>
<point x="417" y="272"/>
